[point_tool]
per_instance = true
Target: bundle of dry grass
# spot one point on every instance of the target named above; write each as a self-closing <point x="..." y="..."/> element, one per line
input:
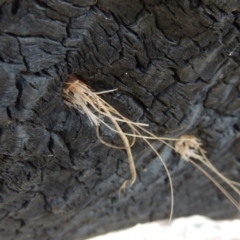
<point x="77" y="94"/>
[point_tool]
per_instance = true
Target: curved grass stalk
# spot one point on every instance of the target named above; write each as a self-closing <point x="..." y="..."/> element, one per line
<point x="127" y="183"/>
<point x="168" y="175"/>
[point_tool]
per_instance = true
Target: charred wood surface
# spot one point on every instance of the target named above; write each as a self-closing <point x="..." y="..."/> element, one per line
<point x="176" y="67"/>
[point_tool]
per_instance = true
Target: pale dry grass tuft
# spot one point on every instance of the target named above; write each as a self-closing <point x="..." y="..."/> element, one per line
<point x="189" y="147"/>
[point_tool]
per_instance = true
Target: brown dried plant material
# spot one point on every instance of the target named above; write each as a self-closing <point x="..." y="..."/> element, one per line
<point x="80" y="96"/>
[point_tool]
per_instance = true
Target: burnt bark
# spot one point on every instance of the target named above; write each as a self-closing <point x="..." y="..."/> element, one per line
<point x="176" y="67"/>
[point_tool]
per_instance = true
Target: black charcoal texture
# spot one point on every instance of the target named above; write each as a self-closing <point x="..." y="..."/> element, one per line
<point x="176" y="66"/>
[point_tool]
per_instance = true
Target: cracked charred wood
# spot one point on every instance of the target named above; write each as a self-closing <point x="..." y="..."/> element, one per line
<point x="176" y="67"/>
